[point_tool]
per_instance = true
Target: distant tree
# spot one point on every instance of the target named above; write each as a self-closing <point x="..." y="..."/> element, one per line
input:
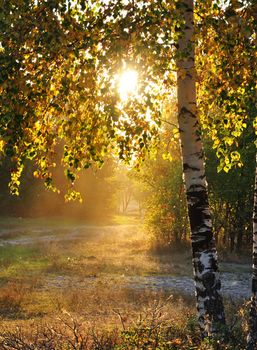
<point x="124" y="187"/>
<point x="165" y="203"/>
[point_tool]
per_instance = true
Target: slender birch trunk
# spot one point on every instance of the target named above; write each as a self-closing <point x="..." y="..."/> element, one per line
<point x="205" y="266"/>
<point x="252" y="335"/>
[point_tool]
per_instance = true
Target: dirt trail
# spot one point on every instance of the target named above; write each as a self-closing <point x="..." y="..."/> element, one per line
<point x="234" y="286"/>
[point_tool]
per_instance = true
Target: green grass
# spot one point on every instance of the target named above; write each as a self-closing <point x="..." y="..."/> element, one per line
<point x="20" y="261"/>
<point x="126" y="220"/>
<point x="16" y="253"/>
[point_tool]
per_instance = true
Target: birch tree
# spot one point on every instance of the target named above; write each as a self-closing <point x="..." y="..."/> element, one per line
<point x="209" y="300"/>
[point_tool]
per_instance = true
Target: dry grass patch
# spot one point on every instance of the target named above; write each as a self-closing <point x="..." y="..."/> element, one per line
<point x="156" y="324"/>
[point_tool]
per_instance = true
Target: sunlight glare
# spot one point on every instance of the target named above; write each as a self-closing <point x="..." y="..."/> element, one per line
<point x="127" y="84"/>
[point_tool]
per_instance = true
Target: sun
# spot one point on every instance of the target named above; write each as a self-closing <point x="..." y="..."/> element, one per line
<point x="128" y="84"/>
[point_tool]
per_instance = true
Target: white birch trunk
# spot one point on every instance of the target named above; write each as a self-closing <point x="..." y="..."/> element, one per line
<point x="252" y="335"/>
<point x="207" y="281"/>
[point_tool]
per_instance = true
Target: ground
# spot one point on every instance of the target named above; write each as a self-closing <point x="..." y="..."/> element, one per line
<point x="104" y="274"/>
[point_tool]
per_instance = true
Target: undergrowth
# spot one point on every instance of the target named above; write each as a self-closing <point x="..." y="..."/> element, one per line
<point x="155" y="328"/>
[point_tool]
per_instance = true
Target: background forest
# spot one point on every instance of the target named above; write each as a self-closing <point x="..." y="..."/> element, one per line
<point x="155" y="192"/>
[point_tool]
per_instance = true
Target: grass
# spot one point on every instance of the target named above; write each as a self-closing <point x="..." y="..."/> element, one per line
<point x="125" y="220"/>
<point x="39" y="266"/>
<point x="65" y="284"/>
<point x="95" y="250"/>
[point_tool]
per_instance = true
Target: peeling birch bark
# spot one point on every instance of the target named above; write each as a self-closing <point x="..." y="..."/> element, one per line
<point x="205" y="266"/>
<point x="252" y="335"/>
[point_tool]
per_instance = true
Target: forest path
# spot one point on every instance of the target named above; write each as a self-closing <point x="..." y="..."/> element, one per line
<point x="234" y="286"/>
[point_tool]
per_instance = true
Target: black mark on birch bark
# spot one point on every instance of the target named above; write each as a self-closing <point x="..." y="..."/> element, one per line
<point x="184" y="111"/>
<point x="186" y="167"/>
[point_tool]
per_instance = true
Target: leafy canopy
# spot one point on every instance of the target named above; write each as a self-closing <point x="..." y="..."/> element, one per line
<point x="59" y="60"/>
